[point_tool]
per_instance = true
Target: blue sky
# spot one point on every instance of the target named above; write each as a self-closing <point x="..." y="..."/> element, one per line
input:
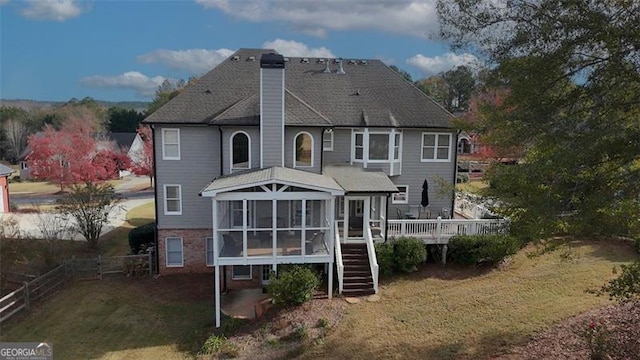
<point x="122" y="50"/>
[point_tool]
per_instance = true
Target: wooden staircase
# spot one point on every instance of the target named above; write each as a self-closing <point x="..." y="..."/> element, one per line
<point x="357" y="280"/>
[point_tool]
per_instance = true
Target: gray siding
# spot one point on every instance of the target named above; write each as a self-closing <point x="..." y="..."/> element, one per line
<point x="272" y="116"/>
<point x="199" y="163"/>
<point x="254" y="138"/>
<point x="414" y="172"/>
<point x="341" y="153"/>
<point x="316" y="134"/>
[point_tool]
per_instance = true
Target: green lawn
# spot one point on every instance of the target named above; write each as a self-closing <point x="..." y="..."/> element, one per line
<point x="475" y="186"/>
<point x="440" y="312"/>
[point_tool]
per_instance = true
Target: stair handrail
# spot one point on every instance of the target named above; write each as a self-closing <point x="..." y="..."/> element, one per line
<point x="373" y="261"/>
<point x="339" y="262"/>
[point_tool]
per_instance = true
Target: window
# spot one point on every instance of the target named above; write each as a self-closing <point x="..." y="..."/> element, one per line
<point x="436" y="147"/>
<point x="379" y="146"/>
<point x="359" y="146"/>
<point x="24" y="165"/>
<point x="303" y="143"/>
<point x="240" y="151"/>
<point x="401" y="197"/>
<point x="171" y="144"/>
<point x="172" y="200"/>
<point x="173" y="248"/>
<point x="209" y="250"/>
<point x="327" y="140"/>
<point x="241" y="272"/>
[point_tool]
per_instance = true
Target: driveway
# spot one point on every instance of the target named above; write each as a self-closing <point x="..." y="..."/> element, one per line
<point x="48" y="224"/>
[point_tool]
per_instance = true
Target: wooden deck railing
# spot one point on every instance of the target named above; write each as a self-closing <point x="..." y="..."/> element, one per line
<point x="439" y="231"/>
<point x="373" y="262"/>
<point x="339" y="262"/>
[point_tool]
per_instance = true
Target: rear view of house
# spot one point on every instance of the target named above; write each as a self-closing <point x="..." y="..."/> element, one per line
<point x="270" y="160"/>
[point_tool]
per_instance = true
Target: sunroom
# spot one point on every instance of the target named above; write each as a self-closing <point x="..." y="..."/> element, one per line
<point x="274" y="215"/>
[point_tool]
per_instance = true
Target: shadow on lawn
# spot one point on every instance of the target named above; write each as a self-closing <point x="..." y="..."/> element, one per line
<point x="438" y="271"/>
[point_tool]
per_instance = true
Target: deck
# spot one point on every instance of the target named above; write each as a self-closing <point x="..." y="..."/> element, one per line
<point x="439" y="231"/>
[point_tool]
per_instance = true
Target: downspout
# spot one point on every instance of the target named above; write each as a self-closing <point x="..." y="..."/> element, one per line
<point x="224" y="267"/>
<point x="455" y="175"/>
<point x="386" y="217"/>
<point x="322" y="150"/>
<point x="221" y="154"/>
<point x="155" y="194"/>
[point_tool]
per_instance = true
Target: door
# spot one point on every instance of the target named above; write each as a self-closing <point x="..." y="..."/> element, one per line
<point x="356" y="215"/>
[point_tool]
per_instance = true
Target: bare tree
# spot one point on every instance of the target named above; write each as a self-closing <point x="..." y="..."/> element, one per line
<point x="16" y="132"/>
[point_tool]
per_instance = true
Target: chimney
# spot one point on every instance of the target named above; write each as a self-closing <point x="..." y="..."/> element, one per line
<point x="271" y="110"/>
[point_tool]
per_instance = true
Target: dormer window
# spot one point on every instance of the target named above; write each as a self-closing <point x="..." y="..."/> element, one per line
<point x="240" y="151"/>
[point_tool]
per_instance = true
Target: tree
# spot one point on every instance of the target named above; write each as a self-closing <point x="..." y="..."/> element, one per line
<point x="460" y="85"/>
<point x="13" y="131"/>
<point x="573" y="70"/>
<point x="89" y="205"/>
<point x="142" y="160"/>
<point x="124" y="120"/>
<point x="402" y="73"/>
<point x="70" y="155"/>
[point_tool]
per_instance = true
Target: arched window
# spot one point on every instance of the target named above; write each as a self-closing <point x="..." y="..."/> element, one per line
<point x="464" y="146"/>
<point x="240" y="151"/>
<point x="303" y="150"/>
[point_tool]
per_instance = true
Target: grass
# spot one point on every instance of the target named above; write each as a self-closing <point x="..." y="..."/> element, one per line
<point x="475" y="186"/>
<point x="448" y="312"/>
<point x="467" y="313"/>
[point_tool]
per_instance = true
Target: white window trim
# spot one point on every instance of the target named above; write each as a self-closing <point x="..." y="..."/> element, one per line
<point x="406" y="196"/>
<point x="391" y="133"/>
<point x="207" y="240"/>
<point x="164" y="155"/>
<point x="234" y="277"/>
<point x="166" y="251"/>
<point x="435" y="148"/>
<point x="231" y="168"/>
<point x="166" y="211"/>
<point x="295" y="149"/>
<point x="328" y="134"/>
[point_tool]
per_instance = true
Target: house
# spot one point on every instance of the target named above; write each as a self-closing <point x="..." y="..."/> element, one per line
<point x="5" y="172"/>
<point x="270" y="160"/>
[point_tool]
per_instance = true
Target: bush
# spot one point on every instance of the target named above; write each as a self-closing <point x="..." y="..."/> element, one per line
<point x="142" y="237"/>
<point x="637" y="244"/>
<point x="462" y="178"/>
<point x="481" y="249"/>
<point x="386" y="258"/>
<point x="293" y="285"/>
<point x="408" y="253"/>
<point x="626" y="287"/>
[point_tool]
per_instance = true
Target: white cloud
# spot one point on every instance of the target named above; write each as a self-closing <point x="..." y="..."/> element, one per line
<point x="297" y="49"/>
<point x="58" y="10"/>
<point x="437" y="64"/>
<point x="140" y="83"/>
<point x="414" y="17"/>
<point x="194" y="61"/>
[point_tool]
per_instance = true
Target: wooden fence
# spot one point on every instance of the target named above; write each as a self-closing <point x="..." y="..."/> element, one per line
<point x="79" y="269"/>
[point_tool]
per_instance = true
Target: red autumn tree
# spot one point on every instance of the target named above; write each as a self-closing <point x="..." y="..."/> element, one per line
<point x="70" y="155"/>
<point x="142" y="160"/>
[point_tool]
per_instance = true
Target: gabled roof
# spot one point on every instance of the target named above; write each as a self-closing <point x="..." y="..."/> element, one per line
<point x="368" y="94"/>
<point x="282" y="175"/>
<point x="5" y="170"/>
<point x="123" y="140"/>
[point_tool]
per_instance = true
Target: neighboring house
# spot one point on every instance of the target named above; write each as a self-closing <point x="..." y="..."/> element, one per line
<point x="129" y="143"/>
<point x="269" y="160"/>
<point x="5" y="172"/>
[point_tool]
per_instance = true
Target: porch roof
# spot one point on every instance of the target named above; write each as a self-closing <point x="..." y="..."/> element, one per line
<point x="5" y="170"/>
<point x="283" y="175"/>
<point x="358" y="180"/>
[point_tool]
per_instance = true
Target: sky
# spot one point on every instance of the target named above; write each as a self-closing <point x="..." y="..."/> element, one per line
<point x="55" y="50"/>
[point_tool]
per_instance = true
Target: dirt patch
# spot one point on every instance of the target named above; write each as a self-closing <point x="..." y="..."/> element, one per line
<point x="619" y="326"/>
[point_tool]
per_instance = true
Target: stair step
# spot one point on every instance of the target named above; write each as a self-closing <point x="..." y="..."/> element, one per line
<point x="353" y="292"/>
<point x="357" y="273"/>
<point x="357" y="279"/>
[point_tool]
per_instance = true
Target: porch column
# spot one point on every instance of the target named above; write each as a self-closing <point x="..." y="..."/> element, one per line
<point x="217" y="286"/>
<point x="345" y="222"/>
<point x="332" y="238"/>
